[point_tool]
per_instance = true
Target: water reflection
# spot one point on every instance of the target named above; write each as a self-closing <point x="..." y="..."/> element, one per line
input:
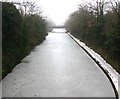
<point x="59" y="30"/>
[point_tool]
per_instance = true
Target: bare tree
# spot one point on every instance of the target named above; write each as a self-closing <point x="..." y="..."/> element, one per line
<point x="116" y="7"/>
<point x="29" y="8"/>
<point x="97" y="7"/>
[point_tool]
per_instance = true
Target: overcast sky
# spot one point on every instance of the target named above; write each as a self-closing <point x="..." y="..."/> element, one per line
<point x="57" y="10"/>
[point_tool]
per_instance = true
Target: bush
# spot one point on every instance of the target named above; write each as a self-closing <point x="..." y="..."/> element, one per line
<point x="19" y="36"/>
<point x="11" y="36"/>
<point x="101" y="32"/>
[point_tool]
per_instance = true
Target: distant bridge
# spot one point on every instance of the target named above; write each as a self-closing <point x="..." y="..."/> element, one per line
<point x="57" y="27"/>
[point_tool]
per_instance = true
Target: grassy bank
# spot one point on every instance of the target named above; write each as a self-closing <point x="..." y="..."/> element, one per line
<point x="107" y="56"/>
<point x="99" y="29"/>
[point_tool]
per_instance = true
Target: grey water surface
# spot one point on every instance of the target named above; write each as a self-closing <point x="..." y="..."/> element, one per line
<point x="58" y="67"/>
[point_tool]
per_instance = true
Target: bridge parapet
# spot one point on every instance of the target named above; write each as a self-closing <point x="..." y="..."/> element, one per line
<point x="57" y="27"/>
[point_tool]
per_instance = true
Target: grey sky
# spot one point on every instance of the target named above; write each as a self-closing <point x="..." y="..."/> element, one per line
<point x="56" y="10"/>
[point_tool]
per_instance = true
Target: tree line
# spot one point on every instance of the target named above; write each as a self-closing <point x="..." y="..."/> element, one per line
<point x="21" y="31"/>
<point x="98" y="25"/>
